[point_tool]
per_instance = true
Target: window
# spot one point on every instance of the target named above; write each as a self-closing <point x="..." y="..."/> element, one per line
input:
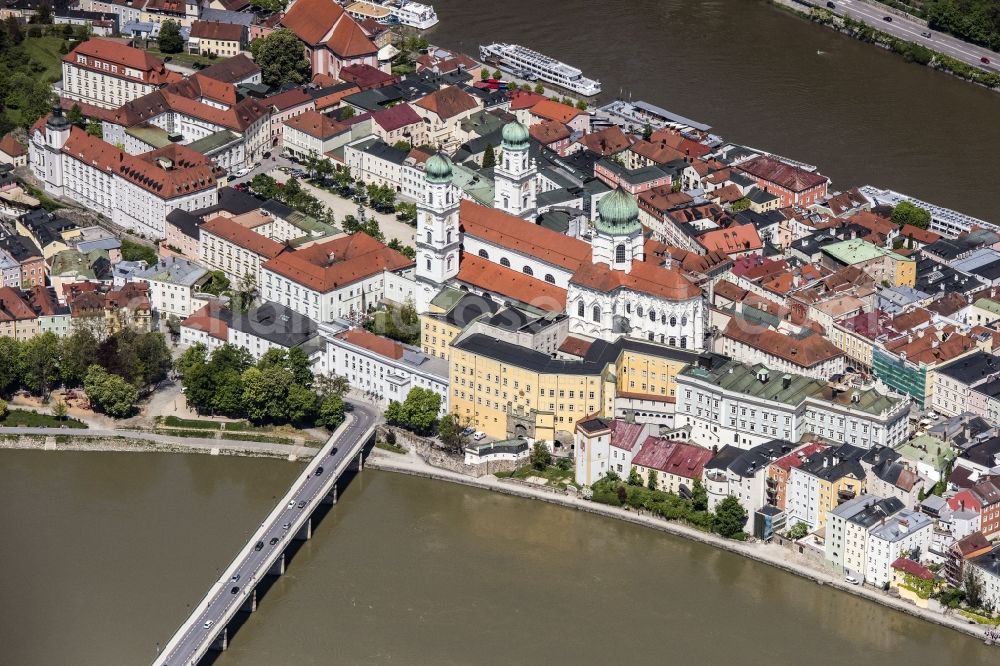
<point x="527" y="270"/>
<point x="673" y="321"/>
<point x="428" y="264"/>
<point x="549" y="278"/>
<point x="579" y="308"/>
<point x="620" y="254"/>
<point x="597" y="313"/>
<point x="428" y="237"/>
<point x="638" y="310"/>
<point x="505" y="262"/>
<point x="484" y="254"/>
<point x="652" y="316"/>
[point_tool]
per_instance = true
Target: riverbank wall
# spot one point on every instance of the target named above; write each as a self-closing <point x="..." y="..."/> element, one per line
<point x="910" y="51"/>
<point x="136" y="444"/>
<point x="773" y="555"/>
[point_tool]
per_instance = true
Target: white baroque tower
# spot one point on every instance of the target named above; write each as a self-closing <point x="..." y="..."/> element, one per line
<point x="437" y="238"/>
<point x="515" y="176"/>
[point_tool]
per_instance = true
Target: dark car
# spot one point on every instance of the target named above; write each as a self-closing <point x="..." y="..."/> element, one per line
<point x="984" y="60"/>
<point x="302" y="504"/>
<point x="234" y="590"/>
<point x="260" y="544"/>
<point x="333" y="451"/>
<point x="831" y="5"/>
<point x="319" y="470"/>
<point x="273" y="540"/>
<point x="887" y="19"/>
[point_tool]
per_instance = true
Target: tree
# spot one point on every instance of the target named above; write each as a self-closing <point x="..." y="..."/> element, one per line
<point x="255" y="395"/>
<point x="327" y="386"/>
<point x="346" y="113"/>
<point x="417" y="413"/>
<point x="653" y="480"/>
<point x="973" y="590"/>
<point x="3" y="409"/>
<point x="109" y="394"/>
<point x="540" y="457"/>
<point x="580" y="104"/>
<point x="40" y="359"/>
<point x="74" y="115"/>
<point x="170" y="39"/>
<point x="227" y="397"/>
<point x="43" y="15"/>
<point x="484" y="74"/>
<point x="798" y="531"/>
<point x="14" y="30"/>
<point x="301" y="405"/>
<point x="699" y="496"/>
<point x="300" y="367"/>
<point x="67" y="31"/>
<point x="132" y="251"/>
<point x="10" y="368"/>
<point x="647" y="131"/>
<point x="730" y="517"/>
<point x="217" y="283"/>
<point x="539" y="89"/>
<point x="59" y="410"/>
<point x="193" y="357"/>
<point x="489" y="157"/>
<point x="633" y="478"/>
<point x="907" y="213"/>
<point x="450" y="433"/>
<point x="331" y="412"/>
<point x="280" y="58"/>
<point x="79" y="349"/>
<point x="95" y="128"/>
<point x="243" y="297"/>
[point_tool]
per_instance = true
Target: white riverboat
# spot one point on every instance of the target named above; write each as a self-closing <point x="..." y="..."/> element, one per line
<point x="519" y="59"/>
<point x="414" y="14"/>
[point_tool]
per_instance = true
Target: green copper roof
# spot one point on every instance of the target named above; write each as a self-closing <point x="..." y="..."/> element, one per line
<point x="515" y="136"/>
<point x="618" y="213"/>
<point x="438" y="169"/>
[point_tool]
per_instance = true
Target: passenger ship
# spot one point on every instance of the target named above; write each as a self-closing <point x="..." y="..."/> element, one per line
<point x="414" y="14"/>
<point x="519" y="59"/>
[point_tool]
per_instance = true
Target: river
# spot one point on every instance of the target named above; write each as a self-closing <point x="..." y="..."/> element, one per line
<point x="104" y="552"/>
<point x="756" y="74"/>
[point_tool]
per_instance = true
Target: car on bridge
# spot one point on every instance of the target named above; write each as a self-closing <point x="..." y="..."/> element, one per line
<point x="291" y="503"/>
<point x="273" y="540"/>
<point x="319" y="470"/>
<point x="302" y="504"/>
<point x="260" y="544"/>
<point x="984" y="60"/>
<point x="234" y="590"/>
<point x="235" y="577"/>
<point x="208" y="624"/>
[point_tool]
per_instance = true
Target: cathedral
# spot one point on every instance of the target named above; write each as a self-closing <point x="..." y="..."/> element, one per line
<point x="610" y="287"/>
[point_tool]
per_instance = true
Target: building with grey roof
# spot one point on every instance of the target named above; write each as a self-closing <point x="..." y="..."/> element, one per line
<point x="906" y="534"/>
<point x="172" y="285"/>
<point x="849" y="525"/>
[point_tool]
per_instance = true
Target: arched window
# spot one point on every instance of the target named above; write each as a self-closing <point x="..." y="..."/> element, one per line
<point x="506" y="203"/>
<point x="684" y="342"/>
<point x="527" y="270"/>
<point x="673" y="321"/>
<point x="652" y="315"/>
<point x="484" y="254"/>
<point x="504" y="261"/>
<point x="450" y="262"/>
<point x="428" y="238"/>
<point x="672" y="342"/>
<point x="430" y="198"/>
<point x="661" y="338"/>
<point x="684" y="320"/>
<point x="428" y="264"/>
<point x="628" y="308"/>
<point x="579" y="308"/>
<point x="650" y="336"/>
<point x="620" y="254"/>
<point x="597" y="313"/>
<point x="638" y="310"/>
<point x="448" y="236"/>
<point x="549" y="278"/>
<point x="663" y="318"/>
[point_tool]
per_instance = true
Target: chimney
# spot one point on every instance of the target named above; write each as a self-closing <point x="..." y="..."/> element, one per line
<point x="331" y="258"/>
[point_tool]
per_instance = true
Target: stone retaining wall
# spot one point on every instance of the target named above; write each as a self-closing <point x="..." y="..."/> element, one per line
<point x="432" y="454"/>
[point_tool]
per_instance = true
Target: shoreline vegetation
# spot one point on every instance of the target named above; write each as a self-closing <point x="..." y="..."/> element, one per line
<point x="910" y="51"/>
<point x="137" y="442"/>
<point x="773" y="555"/>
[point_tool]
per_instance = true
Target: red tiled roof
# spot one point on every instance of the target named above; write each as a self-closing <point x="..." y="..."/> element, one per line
<point x="625" y="435"/>
<point x="207" y="321"/>
<point x="524" y="99"/>
<point x="396" y="117"/>
<point x="315" y="124"/>
<point x="235" y="233"/>
<point x="800" y="455"/>
<point x="684" y="145"/>
<point x="509" y="283"/>
<point x="552" y="110"/>
<point x="223" y="32"/>
<point x="289" y="99"/>
<point x="359" y="337"/>
<point x="190" y="172"/>
<point x="785" y="175"/>
<point x="324" y="22"/>
<point x="731" y="240"/>
<point x="448" y="102"/>
<point x="806" y="353"/>
<point x="645" y="278"/>
<point x="658" y="153"/>
<point x="13" y="307"/>
<point x="575" y="346"/>
<point x="913" y="568"/>
<point x="549" y="131"/>
<point x="366" y="77"/>
<point x="503" y="229"/>
<point x="924" y="236"/>
<point x="10" y="146"/>
<point x="672" y="457"/>
<point x="608" y="141"/>
<point x="327" y="266"/>
<point x="112" y="52"/>
<point x="184" y="97"/>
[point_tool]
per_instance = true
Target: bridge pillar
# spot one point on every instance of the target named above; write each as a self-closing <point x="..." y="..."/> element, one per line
<point x="278" y="568"/>
<point x="306" y="532"/>
<point x="250" y="605"/>
<point x="331" y="497"/>
<point x="221" y="642"/>
<point x="359" y="462"/>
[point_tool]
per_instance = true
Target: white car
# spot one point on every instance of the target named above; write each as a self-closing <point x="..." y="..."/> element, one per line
<point x="291" y="504"/>
<point x="852" y="580"/>
<point x="479" y="435"/>
<point x="208" y="624"/>
<point x="240" y="173"/>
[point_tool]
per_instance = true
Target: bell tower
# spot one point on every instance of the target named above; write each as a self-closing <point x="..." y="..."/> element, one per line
<point x="515" y="176"/>
<point x="437" y="237"/>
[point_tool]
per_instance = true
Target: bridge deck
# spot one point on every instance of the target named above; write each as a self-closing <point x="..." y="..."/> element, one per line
<point x="287" y="520"/>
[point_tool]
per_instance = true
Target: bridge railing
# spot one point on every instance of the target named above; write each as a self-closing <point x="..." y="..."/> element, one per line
<point x="261" y="531"/>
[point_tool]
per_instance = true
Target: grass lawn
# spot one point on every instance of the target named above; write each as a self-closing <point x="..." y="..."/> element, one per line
<point x="25" y="419"/>
<point x="174" y="422"/>
<point x="182" y="58"/>
<point x="560" y="478"/>
<point x="251" y="437"/>
<point x="395" y="448"/>
<point x="45" y="51"/>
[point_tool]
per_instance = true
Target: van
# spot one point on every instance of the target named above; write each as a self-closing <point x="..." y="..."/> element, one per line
<point x="479" y="435"/>
<point x="852" y="580"/>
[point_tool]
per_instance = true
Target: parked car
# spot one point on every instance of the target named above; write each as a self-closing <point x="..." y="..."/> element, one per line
<point x="852" y="580"/>
<point x="239" y="173"/>
<point x="479" y="435"/>
<point x="468" y="431"/>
